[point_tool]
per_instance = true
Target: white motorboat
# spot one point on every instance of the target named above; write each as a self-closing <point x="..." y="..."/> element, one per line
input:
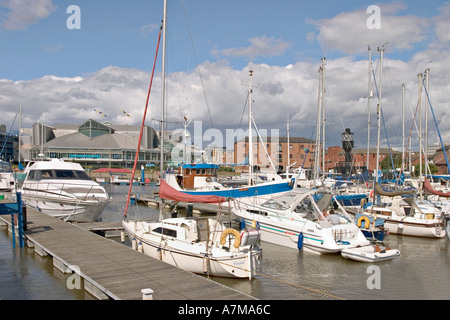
<point x="294" y="219"/>
<point x="7" y="182"/>
<point x="371" y="254"/>
<point x="199" y="245"/>
<point x="404" y="217"/>
<point x="64" y="190"/>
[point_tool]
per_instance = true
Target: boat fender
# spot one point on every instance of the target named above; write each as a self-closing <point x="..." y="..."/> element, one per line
<point x="250" y="237"/>
<point x="365" y="219"/>
<point x="237" y="237"/>
<point x="300" y="241"/>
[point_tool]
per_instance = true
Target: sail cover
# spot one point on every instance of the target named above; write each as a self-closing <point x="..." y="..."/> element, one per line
<point x="169" y="193"/>
<point x="381" y="192"/>
<point x="429" y="188"/>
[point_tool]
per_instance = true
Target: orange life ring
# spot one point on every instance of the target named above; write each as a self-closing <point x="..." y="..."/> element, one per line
<point x="237" y="237"/>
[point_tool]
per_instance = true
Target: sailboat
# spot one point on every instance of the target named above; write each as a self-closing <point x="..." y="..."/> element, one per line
<point x="197" y="179"/>
<point x="403" y="215"/>
<point x="199" y="245"/>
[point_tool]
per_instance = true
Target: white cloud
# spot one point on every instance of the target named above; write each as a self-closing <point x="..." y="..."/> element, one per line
<point x="25" y="12"/>
<point x="348" y="32"/>
<point x="259" y="46"/>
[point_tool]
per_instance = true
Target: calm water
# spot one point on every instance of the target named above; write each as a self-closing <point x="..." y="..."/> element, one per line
<point x="421" y="272"/>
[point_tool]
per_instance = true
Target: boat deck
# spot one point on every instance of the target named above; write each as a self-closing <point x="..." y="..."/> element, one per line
<point x="111" y="270"/>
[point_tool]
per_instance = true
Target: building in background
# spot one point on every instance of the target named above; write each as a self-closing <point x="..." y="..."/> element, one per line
<point x="94" y="144"/>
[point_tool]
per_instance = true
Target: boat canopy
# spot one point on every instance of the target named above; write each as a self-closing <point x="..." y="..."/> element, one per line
<point x="170" y="193"/>
<point x="429" y="188"/>
<point x="200" y="166"/>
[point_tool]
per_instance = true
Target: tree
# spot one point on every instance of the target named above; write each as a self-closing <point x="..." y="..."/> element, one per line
<point x="432" y="166"/>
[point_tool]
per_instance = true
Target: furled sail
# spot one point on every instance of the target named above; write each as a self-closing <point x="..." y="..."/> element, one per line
<point x="381" y="192"/>
<point x="169" y="193"/>
<point x="429" y="188"/>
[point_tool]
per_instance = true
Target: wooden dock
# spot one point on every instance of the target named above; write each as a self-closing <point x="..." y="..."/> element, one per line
<point x="111" y="270"/>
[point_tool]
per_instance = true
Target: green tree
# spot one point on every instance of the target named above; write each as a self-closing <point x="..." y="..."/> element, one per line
<point x="432" y="166"/>
<point x="386" y="164"/>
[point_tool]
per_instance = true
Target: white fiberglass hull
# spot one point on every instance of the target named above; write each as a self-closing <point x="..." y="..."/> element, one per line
<point x="370" y="254"/>
<point x="192" y="256"/>
<point x="70" y="210"/>
<point x="413" y="227"/>
<point x="315" y="237"/>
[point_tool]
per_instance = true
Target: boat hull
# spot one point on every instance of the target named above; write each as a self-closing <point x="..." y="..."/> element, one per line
<point x="370" y="254"/>
<point x="315" y="238"/>
<point x="194" y="259"/>
<point x="428" y="229"/>
<point x="69" y="210"/>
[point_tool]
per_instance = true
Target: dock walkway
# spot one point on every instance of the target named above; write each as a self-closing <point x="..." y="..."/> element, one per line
<point x="111" y="270"/>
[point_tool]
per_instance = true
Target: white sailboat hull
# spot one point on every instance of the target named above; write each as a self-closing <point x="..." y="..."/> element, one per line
<point x="192" y="256"/>
<point x="413" y="227"/>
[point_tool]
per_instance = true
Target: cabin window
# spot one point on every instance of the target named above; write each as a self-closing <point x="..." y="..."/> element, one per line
<point x="46" y="174"/>
<point x="203" y="171"/>
<point x="166" y="232"/>
<point x="208" y="171"/>
<point x="32" y="175"/>
<point x="197" y="171"/>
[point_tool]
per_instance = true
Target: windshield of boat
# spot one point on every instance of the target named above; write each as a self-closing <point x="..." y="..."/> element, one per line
<point x="58" y="174"/>
<point x="5" y="167"/>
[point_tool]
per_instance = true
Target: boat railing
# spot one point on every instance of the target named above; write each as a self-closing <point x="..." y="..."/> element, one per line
<point x="55" y="189"/>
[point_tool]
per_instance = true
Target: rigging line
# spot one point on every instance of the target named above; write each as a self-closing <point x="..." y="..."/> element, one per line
<point x="434" y="117"/>
<point x="143" y="123"/>
<point x="384" y="125"/>
<point x="6" y="140"/>
<point x="243" y="111"/>
<point x="196" y="59"/>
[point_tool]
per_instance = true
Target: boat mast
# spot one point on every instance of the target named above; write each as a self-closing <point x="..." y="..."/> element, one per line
<point x="419" y="76"/>
<point x="323" y="117"/>
<point x="403" y="128"/>
<point x="250" y="138"/>
<point x="369" y="98"/>
<point x="427" y="75"/>
<point x="379" y="115"/>
<point x="318" y="124"/>
<point x="163" y="90"/>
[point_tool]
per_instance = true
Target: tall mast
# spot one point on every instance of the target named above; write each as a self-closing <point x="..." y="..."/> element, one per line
<point x="318" y="140"/>
<point x="369" y="98"/>
<point x="379" y="115"/>
<point x="163" y="89"/>
<point x="250" y="138"/>
<point x="403" y="128"/>
<point x="323" y="117"/>
<point x="427" y="75"/>
<point x="419" y="76"/>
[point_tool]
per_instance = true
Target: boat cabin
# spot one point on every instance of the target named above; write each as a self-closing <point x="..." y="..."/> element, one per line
<point x="196" y="176"/>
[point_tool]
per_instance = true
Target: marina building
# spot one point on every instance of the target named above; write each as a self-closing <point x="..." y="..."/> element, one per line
<point x="278" y="151"/>
<point x="94" y="144"/>
<point x="8" y="144"/>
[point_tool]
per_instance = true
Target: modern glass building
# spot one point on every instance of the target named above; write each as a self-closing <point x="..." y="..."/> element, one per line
<point x="95" y="144"/>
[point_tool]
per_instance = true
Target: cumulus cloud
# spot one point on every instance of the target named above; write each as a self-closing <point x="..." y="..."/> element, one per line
<point x="21" y="13"/>
<point x="347" y="32"/>
<point x="279" y="93"/>
<point x="259" y="46"/>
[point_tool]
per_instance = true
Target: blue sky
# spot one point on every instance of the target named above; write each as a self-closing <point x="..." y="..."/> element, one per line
<point x="60" y="75"/>
<point x="121" y="33"/>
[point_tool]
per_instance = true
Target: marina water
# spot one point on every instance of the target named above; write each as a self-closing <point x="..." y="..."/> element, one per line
<point x="422" y="272"/>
